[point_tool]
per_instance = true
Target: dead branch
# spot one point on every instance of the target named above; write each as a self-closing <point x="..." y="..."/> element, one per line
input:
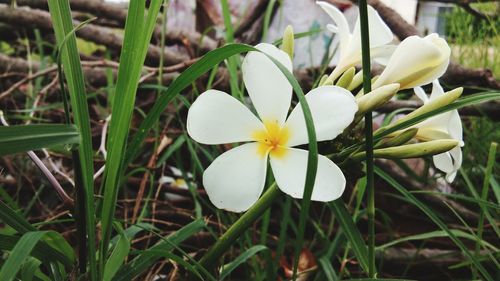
<point x="438" y="257"/>
<point x="95" y="72"/>
<point x="456" y="74"/>
<point x="118" y="14"/>
<point x="33" y="18"/>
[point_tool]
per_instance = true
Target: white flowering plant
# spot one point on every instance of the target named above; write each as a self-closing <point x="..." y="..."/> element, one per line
<point x="245" y="156"/>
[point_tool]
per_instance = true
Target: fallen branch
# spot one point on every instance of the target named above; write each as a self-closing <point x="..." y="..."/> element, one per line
<point x="32" y="18"/>
<point x="94" y="71"/>
<point x="118" y="14"/>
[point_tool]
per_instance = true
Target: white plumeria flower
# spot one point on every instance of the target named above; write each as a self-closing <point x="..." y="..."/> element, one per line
<point x="417" y="61"/>
<point x="350" y="43"/>
<point x="447" y="125"/>
<point x="235" y="180"/>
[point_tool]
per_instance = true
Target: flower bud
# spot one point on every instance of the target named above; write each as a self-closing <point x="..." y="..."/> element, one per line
<point x="356" y="81"/>
<point x="324" y="81"/>
<point x="288" y="41"/>
<point x="434" y="104"/>
<point x="400" y="138"/>
<point x="416" y="150"/>
<point x="416" y="61"/>
<point x="376" y="98"/>
<point x="346" y="78"/>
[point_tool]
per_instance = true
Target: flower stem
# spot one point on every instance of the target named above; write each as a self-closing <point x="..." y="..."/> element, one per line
<point x="365" y="50"/>
<point x="246" y="220"/>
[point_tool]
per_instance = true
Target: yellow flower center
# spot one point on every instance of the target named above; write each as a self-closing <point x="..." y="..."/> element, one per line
<point x="272" y="140"/>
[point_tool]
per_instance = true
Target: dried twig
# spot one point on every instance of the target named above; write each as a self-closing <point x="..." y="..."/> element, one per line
<point x="68" y="201"/>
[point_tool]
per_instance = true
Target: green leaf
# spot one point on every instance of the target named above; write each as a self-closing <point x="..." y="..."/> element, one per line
<point x="138" y="31"/>
<point x="29" y="269"/>
<point x="148" y="257"/>
<point x="67" y="50"/>
<point x="42" y="251"/>
<point x="120" y="252"/>
<point x="351" y="232"/>
<point x="327" y="269"/>
<point x="228" y="268"/>
<point x="19" y="254"/>
<point x="434" y="234"/>
<point x="14" y="220"/>
<point x="435" y="219"/>
<point x="53" y="248"/>
<point x="14" y="139"/>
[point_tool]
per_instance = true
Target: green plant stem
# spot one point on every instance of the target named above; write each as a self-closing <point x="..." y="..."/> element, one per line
<point x="234" y="232"/>
<point x="365" y="50"/>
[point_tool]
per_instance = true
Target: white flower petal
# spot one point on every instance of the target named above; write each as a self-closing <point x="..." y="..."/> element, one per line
<point x="332" y="109"/>
<point x="449" y="162"/>
<point x="235" y="180"/>
<point x="443" y="162"/>
<point x="216" y="117"/>
<point x="382" y="54"/>
<point x="420" y="93"/>
<point x="290" y="173"/>
<point x="380" y="33"/>
<point x="417" y="61"/>
<point x="437" y="90"/>
<point x="455" y="126"/>
<point x="332" y="28"/>
<point x="342" y="26"/>
<point x="267" y="86"/>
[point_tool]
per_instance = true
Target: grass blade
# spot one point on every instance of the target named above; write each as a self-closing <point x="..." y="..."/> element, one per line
<point x="435" y="219"/>
<point x="146" y="258"/>
<point x="19" y="254"/>
<point x="228" y="268"/>
<point x="138" y="31"/>
<point x="63" y="27"/>
<point x="121" y="251"/>
<point x="14" y="139"/>
<point x="351" y="232"/>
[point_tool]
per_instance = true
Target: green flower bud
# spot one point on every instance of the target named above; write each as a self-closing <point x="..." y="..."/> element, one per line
<point x="356" y="81"/>
<point x="416" y="150"/>
<point x="434" y="104"/>
<point x="324" y="81"/>
<point x="376" y="98"/>
<point x="399" y="139"/>
<point x="346" y="78"/>
<point x="288" y="41"/>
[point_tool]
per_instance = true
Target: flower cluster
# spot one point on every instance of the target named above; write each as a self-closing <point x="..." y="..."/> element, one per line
<point x="270" y="134"/>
